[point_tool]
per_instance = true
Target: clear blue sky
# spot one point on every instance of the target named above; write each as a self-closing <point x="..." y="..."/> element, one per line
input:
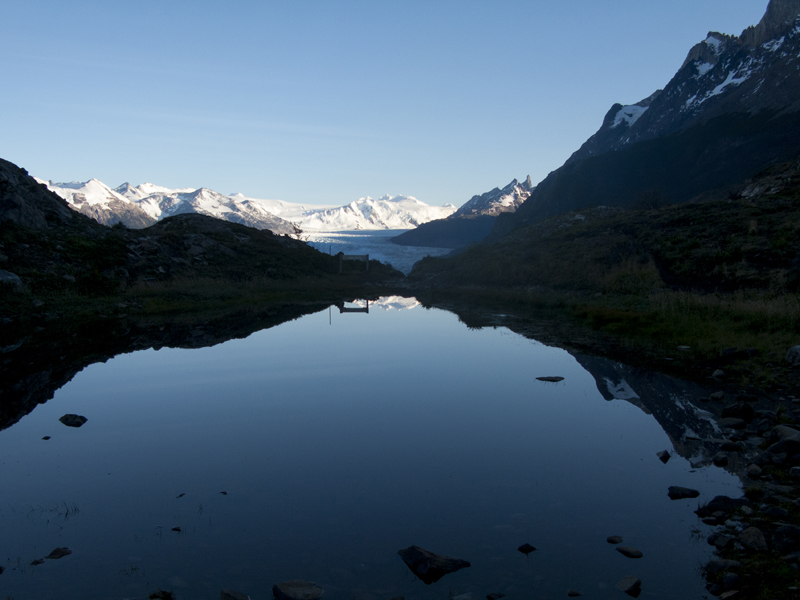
<point x="327" y="101"/>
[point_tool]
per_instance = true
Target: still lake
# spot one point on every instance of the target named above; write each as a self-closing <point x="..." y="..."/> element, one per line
<point x="339" y="439"/>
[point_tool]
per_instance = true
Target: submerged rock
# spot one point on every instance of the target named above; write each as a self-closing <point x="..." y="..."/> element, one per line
<point x="677" y="492"/>
<point x="231" y="595"/>
<point x="59" y="553"/>
<point x="614" y="539"/>
<point x="629" y="551"/>
<point x="526" y="549"/>
<point x="430" y="567"/>
<point x="630" y="585"/>
<point x="550" y="379"/>
<point x="573" y="593"/>
<point x="71" y="420"/>
<point x="663" y="456"/>
<point x="38" y="561"/>
<point x="296" y="589"/>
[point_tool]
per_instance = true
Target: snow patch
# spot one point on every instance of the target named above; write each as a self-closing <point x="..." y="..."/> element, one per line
<point x="703" y="68"/>
<point x="773" y="45"/>
<point x="629" y="114"/>
<point x="714" y="42"/>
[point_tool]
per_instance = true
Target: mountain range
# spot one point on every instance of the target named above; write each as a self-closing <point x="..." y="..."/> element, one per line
<point x="145" y="204"/>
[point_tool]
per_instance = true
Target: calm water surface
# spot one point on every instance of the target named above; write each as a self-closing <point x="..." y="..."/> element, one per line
<point x="340" y="439"/>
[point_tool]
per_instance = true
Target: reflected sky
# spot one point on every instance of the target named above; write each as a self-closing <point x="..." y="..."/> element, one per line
<point x="340" y="439"/>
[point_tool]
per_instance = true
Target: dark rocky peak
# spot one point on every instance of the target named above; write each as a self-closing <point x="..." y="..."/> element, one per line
<point x="709" y="50"/>
<point x="780" y="17"/>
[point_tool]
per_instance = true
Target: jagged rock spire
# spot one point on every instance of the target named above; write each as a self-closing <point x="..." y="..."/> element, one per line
<point x="780" y="16"/>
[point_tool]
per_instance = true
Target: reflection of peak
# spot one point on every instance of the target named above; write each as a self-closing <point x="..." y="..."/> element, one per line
<point x="671" y="401"/>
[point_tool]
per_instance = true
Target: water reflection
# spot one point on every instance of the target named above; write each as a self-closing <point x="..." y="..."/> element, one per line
<point x="336" y="446"/>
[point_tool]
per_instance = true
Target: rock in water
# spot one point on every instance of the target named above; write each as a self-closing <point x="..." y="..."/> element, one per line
<point x="629" y="551"/>
<point x="73" y="420"/>
<point x="430" y="567"/>
<point x="630" y="585"/>
<point x="614" y="539"/>
<point x="679" y="493"/>
<point x="526" y="549"/>
<point x="231" y="595"/>
<point x="663" y="456"/>
<point x="296" y="589"/>
<point x="550" y="379"/>
<point x="59" y="553"/>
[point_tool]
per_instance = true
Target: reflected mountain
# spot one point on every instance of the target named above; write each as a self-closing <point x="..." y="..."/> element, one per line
<point x="35" y="363"/>
<point x="679" y="406"/>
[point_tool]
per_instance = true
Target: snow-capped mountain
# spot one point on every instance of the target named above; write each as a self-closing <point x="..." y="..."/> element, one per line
<point x="721" y="75"/>
<point x="470" y="223"/>
<point x="731" y="110"/>
<point x="143" y="205"/>
<point x="497" y="201"/>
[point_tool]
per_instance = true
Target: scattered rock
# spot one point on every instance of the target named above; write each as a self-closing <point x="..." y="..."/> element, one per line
<point x="776" y="512"/>
<point x="794" y="472"/>
<point x="679" y="493"/>
<point x="718" y="373"/>
<point x="730" y="446"/>
<point x="45" y="438"/>
<point x="224" y="493"/>
<point x="10" y="279"/>
<point x="494" y="596"/>
<point x="730" y="594"/>
<point x="231" y="595"/>
<point x="551" y="379"/>
<point x="786" y="539"/>
<point x="720" y="504"/>
<point x="793" y="356"/>
<point x="721" y="564"/>
<point x="526" y="549"/>
<point x="573" y="593"/>
<point x="629" y="551"/>
<point x="614" y="539"/>
<point x="719" y="541"/>
<point x="754" y="539"/>
<point x="38" y="561"/>
<point x="181" y="495"/>
<point x="733" y="423"/>
<point x="429" y="567"/>
<point x="296" y="589"/>
<point x="731" y="581"/>
<point x="663" y="456"/>
<point x="59" y="553"/>
<point x="178" y="529"/>
<point x="71" y="420"/>
<point x="160" y="594"/>
<point x="718" y="395"/>
<point x="720" y="459"/>
<point x="630" y="585"/>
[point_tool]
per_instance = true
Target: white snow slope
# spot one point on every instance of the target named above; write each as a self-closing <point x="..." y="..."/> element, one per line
<point x="388" y="212"/>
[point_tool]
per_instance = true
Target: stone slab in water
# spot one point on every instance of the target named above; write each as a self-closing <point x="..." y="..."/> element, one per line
<point x="677" y="492"/>
<point x="430" y="567"/>
<point x="296" y="589"/>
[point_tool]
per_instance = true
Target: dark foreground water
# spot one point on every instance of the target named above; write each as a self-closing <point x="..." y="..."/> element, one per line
<point x="339" y="439"/>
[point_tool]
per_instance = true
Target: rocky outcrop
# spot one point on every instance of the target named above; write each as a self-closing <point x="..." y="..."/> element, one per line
<point x="26" y="203"/>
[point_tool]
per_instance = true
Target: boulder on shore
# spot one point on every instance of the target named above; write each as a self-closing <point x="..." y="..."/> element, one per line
<point x="430" y="567"/>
